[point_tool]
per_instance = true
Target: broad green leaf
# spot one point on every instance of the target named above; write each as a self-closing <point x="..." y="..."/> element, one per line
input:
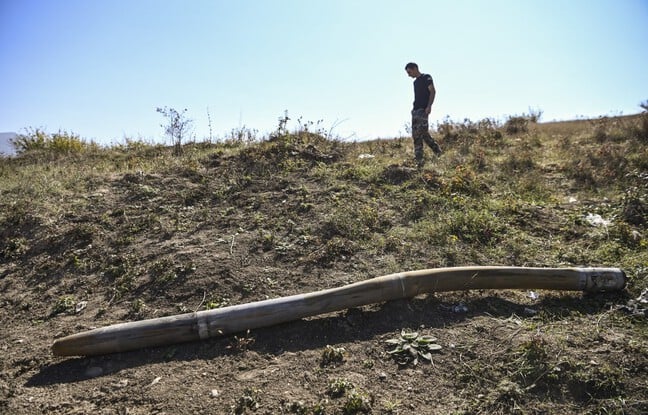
<point x="426" y="339"/>
<point x="434" y="347"/>
<point x="409" y="336"/>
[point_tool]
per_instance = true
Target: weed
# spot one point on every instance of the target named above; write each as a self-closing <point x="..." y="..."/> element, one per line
<point x="248" y="400"/>
<point x="163" y="271"/>
<point x="595" y="382"/>
<point x="64" y="304"/>
<point x="242" y="343"/>
<point x="121" y="272"/>
<point x="532" y="361"/>
<point x="516" y="125"/>
<point x="297" y="407"/>
<point x="319" y="408"/>
<point x="473" y="226"/>
<point x="391" y="407"/>
<point x="357" y="402"/>
<point x="14" y="247"/>
<point x="137" y="306"/>
<point x="332" y="356"/>
<point x="410" y="346"/>
<point x="217" y="301"/>
<point x="339" y="387"/>
<point x="635" y="206"/>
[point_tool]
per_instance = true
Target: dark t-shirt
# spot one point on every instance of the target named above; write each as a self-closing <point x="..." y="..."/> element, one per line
<point x="421" y="91"/>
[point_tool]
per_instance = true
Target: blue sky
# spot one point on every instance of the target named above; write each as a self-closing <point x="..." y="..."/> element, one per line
<point x="100" y="68"/>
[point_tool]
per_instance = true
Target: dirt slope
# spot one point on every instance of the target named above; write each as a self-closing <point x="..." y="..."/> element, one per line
<point x="91" y="237"/>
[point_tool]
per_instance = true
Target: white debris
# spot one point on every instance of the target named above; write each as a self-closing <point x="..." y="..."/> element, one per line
<point x="366" y="156"/>
<point x="595" y="219"/>
<point x="156" y="380"/>
<point x="572" y="199"/>
<point x="214" y="393"/>
<point x="80" y="306"/>
<point x="533" y="295"/>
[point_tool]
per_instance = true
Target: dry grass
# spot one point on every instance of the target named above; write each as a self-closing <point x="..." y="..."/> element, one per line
<point x="138" y="232"/>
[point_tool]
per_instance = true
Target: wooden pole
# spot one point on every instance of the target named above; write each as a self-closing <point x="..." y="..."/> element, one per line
<point x="237" y="318"/>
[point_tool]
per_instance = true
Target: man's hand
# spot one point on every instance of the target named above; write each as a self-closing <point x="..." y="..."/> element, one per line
<point x="428" y="110"/>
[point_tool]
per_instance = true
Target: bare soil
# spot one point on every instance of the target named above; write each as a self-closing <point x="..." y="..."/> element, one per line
<point x="93" y="240"/>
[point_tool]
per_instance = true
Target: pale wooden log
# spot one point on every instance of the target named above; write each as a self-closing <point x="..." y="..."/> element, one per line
<point x="237" y="318"/>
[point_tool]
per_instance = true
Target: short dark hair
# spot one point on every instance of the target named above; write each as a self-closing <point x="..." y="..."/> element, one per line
<point x="411" y="65"/>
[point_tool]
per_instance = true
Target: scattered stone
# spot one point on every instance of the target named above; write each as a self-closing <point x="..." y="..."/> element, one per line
<point x="382" y="375"/>
<point x="214" y="393"/>
<point x="155" y="381"/>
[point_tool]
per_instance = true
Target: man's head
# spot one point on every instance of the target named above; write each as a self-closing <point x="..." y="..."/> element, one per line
<point x="412" y="70"/>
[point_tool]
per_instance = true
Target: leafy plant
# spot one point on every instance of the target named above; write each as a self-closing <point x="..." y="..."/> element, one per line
<point x="410" y="346"/>
<point x="356" y="402"/>
<point x="249" y="400"/>
<point x="339" y="387"/>
<point x="241" y="344"/>
<point x="332" y="356"/>
<point x="65" y="304"/>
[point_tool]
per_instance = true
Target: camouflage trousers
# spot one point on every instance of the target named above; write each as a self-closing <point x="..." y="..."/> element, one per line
<point x="421" y="133"/>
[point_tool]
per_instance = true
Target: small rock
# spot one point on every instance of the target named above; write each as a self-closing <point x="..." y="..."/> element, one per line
<point x="595" y="219"/>
<point x="80" y="306"/>
<point x="382" y="375"/>
<point x="460" y="308"/>
<point x="156" y="380"/>
<point x="94" y="371"/>
<point x="214" y="393"/>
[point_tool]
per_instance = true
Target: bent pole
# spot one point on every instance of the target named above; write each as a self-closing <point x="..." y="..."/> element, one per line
<point x="209" y="323"/>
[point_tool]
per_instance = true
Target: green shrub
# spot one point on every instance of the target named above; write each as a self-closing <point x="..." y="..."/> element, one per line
<point x="62" y="142"/>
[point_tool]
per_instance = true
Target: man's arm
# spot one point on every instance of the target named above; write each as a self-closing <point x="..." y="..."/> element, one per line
<point x="432" y="90"/>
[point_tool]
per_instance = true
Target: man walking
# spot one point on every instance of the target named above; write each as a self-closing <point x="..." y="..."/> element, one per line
<point x="424" y="94"/>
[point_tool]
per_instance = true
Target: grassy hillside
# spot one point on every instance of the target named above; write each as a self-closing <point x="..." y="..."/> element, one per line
<point x="93" y="236"/>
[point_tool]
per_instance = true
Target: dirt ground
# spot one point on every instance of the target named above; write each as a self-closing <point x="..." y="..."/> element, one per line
<point x="89" y="242"/>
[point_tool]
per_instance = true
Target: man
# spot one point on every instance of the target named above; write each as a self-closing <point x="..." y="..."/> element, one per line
<point x="424" y="94"/>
